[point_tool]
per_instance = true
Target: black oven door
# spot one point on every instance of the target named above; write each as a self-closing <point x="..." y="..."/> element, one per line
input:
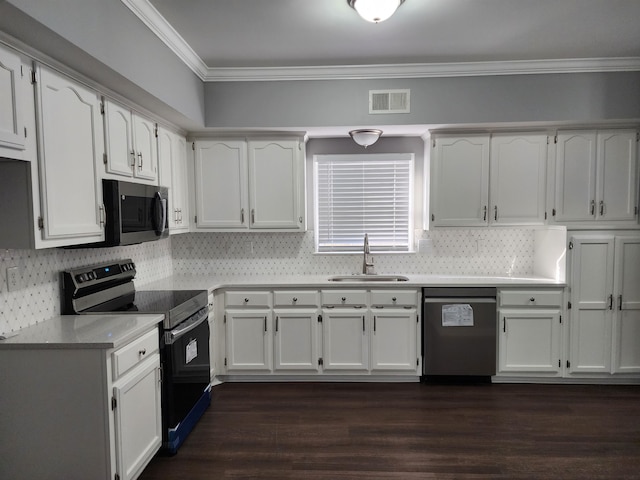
<point x="185" y="358"/>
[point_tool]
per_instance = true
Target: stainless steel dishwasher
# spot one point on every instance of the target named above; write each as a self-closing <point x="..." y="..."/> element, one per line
<point x="459" y="331"/>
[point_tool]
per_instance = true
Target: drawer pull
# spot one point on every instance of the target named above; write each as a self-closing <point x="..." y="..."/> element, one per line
<point x="142" y="352"/>
<point x="344" y="299"/>
<point x="246" y="300"/>
<point x="295" y="299"/>
<point x="394" y="299"/>
<point x="532" y="299"/>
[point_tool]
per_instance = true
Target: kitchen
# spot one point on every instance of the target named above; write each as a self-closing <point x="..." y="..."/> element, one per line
<point x="594" y="100"/>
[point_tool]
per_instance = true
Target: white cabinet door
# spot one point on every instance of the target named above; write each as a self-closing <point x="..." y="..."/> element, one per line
<point x="12" y="135"/>
<point x="529" y="341"/>
<point x="276" y="184"/>
<point x="70" y="146"/>
<point x="248" y="339"/>
<point x="221" y="184"/>
<point x="146" y="149"/>
<point x="460" y="181"/>
<point x="575" y="176"/>
<point x="180" y="184"/>
<point x="592" y="302"/>
<point x="518" y="179"/>
<point x="626" y="320"/>
<point x="394" y="340"/>
<point x="118" y="134"/>
<point x="345" y="340"/>
<point x="296" y="340"/>
<point x="617" y="182"/>
<point x="138" y="418"/>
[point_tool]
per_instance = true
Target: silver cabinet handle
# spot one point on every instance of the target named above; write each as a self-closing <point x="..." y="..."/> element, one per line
<point x="593" y="207"/>
<point x="133" y="158"/>
<point x="242" y="215"/>
<point x="140" y="158"/>
<point x="102" y="215"/>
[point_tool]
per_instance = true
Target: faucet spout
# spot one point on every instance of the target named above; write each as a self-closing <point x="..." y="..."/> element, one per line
<point x="367" y="261"/>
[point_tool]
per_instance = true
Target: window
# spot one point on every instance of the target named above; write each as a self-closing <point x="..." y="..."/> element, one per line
<point x="358" y="194"/>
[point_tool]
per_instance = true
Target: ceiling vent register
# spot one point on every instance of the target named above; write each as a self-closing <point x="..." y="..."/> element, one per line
<point x="389" y="101"/>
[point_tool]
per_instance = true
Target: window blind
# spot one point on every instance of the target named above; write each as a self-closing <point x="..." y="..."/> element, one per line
<point x="358" y="194"/>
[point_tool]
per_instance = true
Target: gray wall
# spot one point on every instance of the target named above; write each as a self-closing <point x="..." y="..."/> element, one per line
<point x="580" y="98"/>
<point x="105" y="41"/>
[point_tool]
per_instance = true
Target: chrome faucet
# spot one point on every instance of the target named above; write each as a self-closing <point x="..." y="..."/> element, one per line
<point x="367" y="261"/>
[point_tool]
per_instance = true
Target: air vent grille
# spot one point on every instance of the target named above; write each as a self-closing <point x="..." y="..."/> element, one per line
<point x="389" y="101"/>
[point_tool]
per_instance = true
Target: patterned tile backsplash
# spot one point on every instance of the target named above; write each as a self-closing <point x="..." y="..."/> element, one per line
<point x="445" y="252"/>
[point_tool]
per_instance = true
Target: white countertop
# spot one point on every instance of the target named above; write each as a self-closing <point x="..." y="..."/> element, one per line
<point x="82" y="331"/>
<point x="213" y="282"/>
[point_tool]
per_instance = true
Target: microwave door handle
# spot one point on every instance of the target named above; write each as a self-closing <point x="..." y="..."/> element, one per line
<point x="160" y="214"/>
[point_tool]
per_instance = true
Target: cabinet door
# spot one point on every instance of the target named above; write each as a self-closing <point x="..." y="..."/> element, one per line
<point x="518" y="173"/>
<point x="345" y="340"/>
<point x="11" y="123"/>
<point x="179" y="184"/>
<point x="394" y="340"/>
<point x="248" y="338"/>
<point x="276" y="185"/>
<point x="616" y="189"/>
<point x="529" y="341"/>
<point x="591" y="298"/>
<point x="221" y="184"/>
<point x="138" y="418"/>
<point x="118" y="140"/>
<point x="146" y="149"/>
<point x="626" y="319"/>
<point x="70" y="147"/>
<point x="575" y="190"/>
<point x="296" y="340"/>
<point x="460" y="181"/>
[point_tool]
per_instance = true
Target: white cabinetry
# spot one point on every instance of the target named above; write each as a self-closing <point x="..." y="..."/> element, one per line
<point x="530" y="332"/>
<point x="604" y="327"/>
<point x="172" y="160"/>
<point x="131" y="148"/>
<point x="13" y="73"/>
<point x="480" y="180"/>
<point x="244" y="185"/>
<point x="70" y="152"/>
<point x="596" y="177"/>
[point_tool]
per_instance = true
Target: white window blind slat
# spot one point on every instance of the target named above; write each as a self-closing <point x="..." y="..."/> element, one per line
<point x="358" y="194"/>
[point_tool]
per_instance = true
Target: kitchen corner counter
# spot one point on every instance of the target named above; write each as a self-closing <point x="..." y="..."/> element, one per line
<point x="82" y="331"/>
<point x="213" y="282"/>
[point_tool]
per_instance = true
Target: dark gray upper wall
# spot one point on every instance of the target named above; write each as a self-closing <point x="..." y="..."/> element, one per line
<point x="105" y="41"/>
<point x="578" y="98"/>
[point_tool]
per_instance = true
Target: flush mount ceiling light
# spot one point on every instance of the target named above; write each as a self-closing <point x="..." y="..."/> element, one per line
<point x="375" y="11"/>
<point x="365" y="137"/>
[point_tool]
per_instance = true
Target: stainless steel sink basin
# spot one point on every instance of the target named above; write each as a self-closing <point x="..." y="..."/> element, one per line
<point x="368" y="278"/>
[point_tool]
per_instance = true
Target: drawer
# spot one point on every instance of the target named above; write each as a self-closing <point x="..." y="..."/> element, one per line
<point x="530" y="298"/>
<point x="127" y="357"/>
<point x="345" y="298"/>
<point x="247" y="299"/>
<point x="394" y="298"/>
<point x="295" y="298"/>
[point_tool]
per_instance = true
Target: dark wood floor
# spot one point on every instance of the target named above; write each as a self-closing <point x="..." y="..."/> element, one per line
<point x="411" y="431"/>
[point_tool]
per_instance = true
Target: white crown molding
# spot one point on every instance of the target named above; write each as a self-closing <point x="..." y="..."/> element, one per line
<point x="165" y="32"/>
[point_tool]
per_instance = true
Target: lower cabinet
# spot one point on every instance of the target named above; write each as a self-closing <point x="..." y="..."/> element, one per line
<point x="345" y="340"/>
<point x="393" y="340"/>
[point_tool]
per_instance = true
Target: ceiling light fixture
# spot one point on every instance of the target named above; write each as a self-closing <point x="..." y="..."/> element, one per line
<point x="365" y="137"/>
<point x="375" y="11"/>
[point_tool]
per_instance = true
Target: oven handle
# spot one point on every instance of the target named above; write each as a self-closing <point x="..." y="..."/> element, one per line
<point x="173" y="335"/>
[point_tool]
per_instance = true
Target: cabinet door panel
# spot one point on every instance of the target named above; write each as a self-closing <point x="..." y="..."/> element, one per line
<point x="71" y="140"/>
<point x="393" y="340"/>
<point x="119" y="144"/>
<point x="518" y="171"/>
<point x="180" y="183"/>
<point x="345" y="341"/>
<point x="617" y="181"/>
<point x="460" y="182"/>
<point x="296" y="340"/>
<point x="575" y="189"/>
<point x="248" y="340"/>
<point x="146" y="151"/>
<point x="11" y="125"/>
<point x="221" y="191"/>
<point x="590" y="342"/>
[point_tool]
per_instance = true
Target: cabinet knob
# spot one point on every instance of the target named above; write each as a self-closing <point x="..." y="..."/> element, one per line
<point x="394" y="299"/>
<point x="295" y="299"/>
<point x="344" y="299"/>
<point x="532" y="299"/>
<point x="246" y="300"/>
<point x="142" y="352"/>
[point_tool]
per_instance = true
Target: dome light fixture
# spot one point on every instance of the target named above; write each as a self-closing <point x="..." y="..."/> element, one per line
<point x="365" y="137"/>
<point x="375" y="11"/>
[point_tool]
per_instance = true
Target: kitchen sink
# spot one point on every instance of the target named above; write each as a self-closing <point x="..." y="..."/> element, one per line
<point x="360" y="277"/>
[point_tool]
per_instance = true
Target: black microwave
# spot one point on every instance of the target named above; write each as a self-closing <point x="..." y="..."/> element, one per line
<point x="135" y="213"/>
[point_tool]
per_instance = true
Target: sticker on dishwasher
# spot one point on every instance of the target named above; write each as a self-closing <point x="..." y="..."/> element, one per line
<point x="192" y="350"/>
<point x="458" y="315"/>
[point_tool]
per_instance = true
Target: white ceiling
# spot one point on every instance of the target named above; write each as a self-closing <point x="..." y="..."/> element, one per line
<point x="294" y="33"/>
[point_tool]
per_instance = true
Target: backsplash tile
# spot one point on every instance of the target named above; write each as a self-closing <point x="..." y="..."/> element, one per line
<point x="38" y="295"/>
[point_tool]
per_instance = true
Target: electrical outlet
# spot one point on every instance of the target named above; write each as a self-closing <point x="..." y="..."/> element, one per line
<point x="12" y="278"/>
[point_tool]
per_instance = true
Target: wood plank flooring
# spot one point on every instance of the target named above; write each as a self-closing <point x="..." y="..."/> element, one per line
<point x="321" y="431"/>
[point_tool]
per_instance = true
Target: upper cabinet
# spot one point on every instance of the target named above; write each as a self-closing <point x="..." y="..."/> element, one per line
<point x="480" y="180"/>
<point x="596" y="177"/>
<point x="131" y="145"/>
<point x="172" y="159"/>
<point x="244" y="185"/>
<point x="13" y="75"/>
